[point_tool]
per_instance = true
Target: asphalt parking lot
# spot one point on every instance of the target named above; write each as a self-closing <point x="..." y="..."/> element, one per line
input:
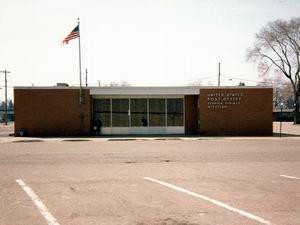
<point x="218" y="181"/>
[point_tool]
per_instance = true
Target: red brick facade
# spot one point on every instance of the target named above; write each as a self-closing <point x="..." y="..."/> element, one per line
<point x="216" y="111"/>
<point x="57" y="112"/>
<point x="236" y="111"/>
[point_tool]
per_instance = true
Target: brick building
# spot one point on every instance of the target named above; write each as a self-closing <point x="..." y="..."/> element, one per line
<point x="55" y="111"/>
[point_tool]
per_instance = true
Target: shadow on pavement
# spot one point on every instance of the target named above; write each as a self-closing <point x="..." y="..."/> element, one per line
<point x="285" y="135"/>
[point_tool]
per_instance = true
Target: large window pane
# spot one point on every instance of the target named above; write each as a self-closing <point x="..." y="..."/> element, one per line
<point x="175" y="112"/>
<point x="157" y="112"/>
<point x="102" y="111"/>
<point x="120" y="109"/>
<point x="138" y="109"/>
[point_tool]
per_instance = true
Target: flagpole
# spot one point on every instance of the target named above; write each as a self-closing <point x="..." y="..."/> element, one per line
<point x="80" y="87"/>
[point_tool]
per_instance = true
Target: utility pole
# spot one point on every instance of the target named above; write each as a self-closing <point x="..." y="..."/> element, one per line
<point x="219" y="74"/>
<point x="5" y="106"/>
<point x="99" y="83"/>
<point x="86" y="72"/>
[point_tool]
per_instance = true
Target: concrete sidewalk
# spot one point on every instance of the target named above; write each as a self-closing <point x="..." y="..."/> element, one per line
<point x="6" y="130"/>
<point x="288" y="130"/>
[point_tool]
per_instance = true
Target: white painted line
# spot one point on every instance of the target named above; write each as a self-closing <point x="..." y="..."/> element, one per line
<point x="39" y="204"/>
<point x="215" y="202"/>
<point x="291" y="177"/>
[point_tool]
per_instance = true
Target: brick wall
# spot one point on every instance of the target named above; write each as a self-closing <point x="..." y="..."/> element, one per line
<point x="57" y="112"/>
<point x="236" y="111"/>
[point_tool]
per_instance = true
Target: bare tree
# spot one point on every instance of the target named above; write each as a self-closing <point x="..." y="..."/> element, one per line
<point x="277" y="48"/>
<point x="10" y="105"/>
<point x="113" y="84"/>
<point x="125" y="83"/>
<point x="282" y="90"/>
<point x="283" y="93"/>
<point x="122" y="83"/>
<point x="195" y="83"/>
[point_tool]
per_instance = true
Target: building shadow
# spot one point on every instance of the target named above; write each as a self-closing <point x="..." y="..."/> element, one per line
<point x="276" y="134"/>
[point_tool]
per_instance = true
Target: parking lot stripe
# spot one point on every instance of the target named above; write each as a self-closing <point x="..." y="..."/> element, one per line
<point x="291" y="177"/>
<point x="39" y="204"/>
<point x="215" y="202"/>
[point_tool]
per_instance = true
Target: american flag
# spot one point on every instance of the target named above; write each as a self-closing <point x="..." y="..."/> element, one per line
<point x="74" y="34"/>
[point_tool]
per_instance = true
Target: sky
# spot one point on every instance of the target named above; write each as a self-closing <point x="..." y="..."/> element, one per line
<point x="142" y="42"/>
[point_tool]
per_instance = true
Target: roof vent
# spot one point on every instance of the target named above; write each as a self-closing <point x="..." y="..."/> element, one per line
<point x="62" y="85"/>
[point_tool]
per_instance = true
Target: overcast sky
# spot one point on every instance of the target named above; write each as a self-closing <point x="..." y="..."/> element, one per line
<point x="145" y="42"/>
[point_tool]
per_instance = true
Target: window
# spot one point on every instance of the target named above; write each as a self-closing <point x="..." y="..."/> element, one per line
<point x="174" y="112"/>
<point x="120" y="109"/>
<point x="138" y="111"/>
<point x="102" y="111"/>
<point x="143" y="112"/>
<point x="157" y="112"/>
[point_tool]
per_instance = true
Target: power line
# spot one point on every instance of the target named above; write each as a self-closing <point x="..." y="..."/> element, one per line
<point x="236" y="78"/>
<point x="264" y="82"/>
<point x="201" y="78"/>
<point x="6" y="86"/>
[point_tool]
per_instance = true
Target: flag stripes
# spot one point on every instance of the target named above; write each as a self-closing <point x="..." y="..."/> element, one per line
<point x="74" y="34"/>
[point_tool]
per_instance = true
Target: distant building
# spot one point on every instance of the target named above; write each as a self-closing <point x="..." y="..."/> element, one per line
<point x="46" y="111"/>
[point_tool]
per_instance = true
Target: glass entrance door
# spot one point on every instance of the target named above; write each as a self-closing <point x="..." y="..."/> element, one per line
<point x="160" y="115"/>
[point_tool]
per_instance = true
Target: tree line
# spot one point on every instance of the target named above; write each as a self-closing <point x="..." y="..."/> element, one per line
<point x="10" y="105"/>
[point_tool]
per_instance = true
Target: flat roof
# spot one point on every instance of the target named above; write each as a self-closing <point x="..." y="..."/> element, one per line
<point x="183" y="90"/>
<point x="133" y="90"/>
